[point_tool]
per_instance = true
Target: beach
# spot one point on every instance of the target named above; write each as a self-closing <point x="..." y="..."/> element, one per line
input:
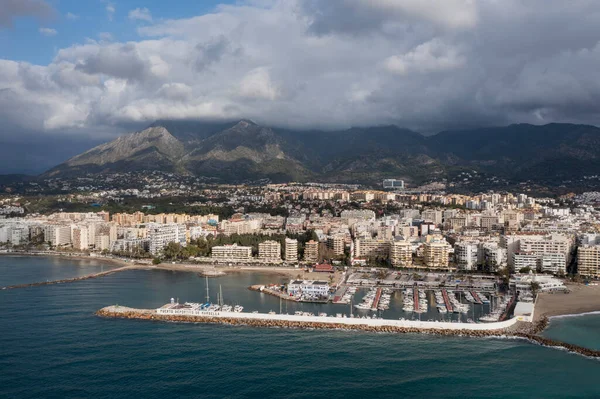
<point x="288" y="272"/>
<point x="580" y="299"/>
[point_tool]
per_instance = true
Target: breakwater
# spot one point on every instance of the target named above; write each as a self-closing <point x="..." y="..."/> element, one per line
<point x="69" y="280"/>
<point x="529" y="332"/>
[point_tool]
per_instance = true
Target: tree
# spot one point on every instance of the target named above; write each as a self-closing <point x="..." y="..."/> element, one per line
<point x="156" y="261"/>
<point x="525" y="269"/>
<point x="535" y="286"/>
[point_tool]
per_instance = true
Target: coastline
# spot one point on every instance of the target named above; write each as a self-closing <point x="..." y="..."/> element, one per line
<point x="582" y="299"/>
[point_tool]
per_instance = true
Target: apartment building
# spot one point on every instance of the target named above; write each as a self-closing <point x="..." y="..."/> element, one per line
<point x="372" y="248"/>
<point x="269" y="250"/>
<point x="466" y="255"/>
<point x="337" y="243"/>
<point x="311" y="251"/>
<point x="435" y="254"/>
<point x="231" y="252"/>
<point x="291" y="250"/>
<point x="588" y="261"/>
<point x="160" y="235"/>
<point x="401" y="254"/>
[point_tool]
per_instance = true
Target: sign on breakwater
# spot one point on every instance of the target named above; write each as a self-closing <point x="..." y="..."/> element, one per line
<point x="490" y="330"/>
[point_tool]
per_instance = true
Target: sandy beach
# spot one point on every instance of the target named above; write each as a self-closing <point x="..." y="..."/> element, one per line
<point x="288" y="272"/>
<point x="581" y="299"/>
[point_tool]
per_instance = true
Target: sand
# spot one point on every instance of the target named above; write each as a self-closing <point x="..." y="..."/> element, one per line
<point x="581" y="299"/>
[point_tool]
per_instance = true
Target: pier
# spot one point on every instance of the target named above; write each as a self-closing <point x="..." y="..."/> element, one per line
<point x="416" y="300"/>
<point x="447" y="301"/>
<point x="476" y="298"/>
<point x="376" y="300"/>
<point x="339" y="294"/>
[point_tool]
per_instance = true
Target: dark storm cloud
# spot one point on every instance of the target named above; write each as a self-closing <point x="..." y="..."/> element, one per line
<point x="11" y="9"/>
<point x="423" y="64"/>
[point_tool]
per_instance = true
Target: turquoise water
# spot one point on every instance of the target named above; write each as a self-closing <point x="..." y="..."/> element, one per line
<point x="581" y="330"/>
<point x="52" y="345"/>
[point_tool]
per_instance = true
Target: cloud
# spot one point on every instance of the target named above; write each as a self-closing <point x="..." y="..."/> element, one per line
<point x="431" y="56"/>
<point x="427" y="65"/>
<point x="110" y="11"/>
<point x="11" y="9"/>
<point x="105" y="36"/>
<point x="140" y="14"/>
<point x="71" y="16"/>
<point x="48" y="31"/>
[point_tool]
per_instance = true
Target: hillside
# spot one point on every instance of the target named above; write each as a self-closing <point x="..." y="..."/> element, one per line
<point x="243" y="150"/>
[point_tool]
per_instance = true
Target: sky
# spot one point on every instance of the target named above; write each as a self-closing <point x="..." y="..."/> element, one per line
<point x="74" y="73"/>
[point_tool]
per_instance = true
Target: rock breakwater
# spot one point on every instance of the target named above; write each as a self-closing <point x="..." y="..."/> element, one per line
<point x="530" y="333"/>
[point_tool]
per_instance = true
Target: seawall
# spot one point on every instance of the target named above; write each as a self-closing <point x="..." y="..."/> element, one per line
<point x="491" y="330"/>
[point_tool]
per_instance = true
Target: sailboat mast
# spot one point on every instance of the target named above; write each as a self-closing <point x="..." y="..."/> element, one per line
<point x="207" y="294"/>
<point x="220" y="295"/>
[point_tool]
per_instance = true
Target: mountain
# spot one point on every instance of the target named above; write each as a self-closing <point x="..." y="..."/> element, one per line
<point x="242" y="150"/>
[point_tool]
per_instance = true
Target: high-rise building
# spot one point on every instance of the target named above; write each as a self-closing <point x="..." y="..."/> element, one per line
<point x="588" y="261"/>
<point x="231" y="252"/>
<point x="311" y="251"/>
<point x="401" y="254"/>
<point x="436" y="254"/>
<point x="269" y="250"/>
<point x="372" y="248"/>
<point x="465" y="253"/>
<point x="291" y="250"/>
<point x="160" y="235"/>
<point x="336" y="243"/>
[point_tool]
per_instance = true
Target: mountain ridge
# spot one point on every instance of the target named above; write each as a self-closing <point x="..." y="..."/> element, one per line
<point x="241" y="150"/>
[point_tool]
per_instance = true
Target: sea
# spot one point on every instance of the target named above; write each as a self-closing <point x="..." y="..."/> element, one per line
<point x="53" y="346"/>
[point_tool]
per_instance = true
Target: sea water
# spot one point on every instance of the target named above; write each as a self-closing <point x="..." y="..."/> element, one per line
<point x="52" y="345"/>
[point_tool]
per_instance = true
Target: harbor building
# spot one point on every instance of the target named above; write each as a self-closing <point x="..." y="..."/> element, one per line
<point x="311" y="251"/>
<point x="291" y="250"/>
<point x="401" y="255"/>
<point x="315" y="288"/>
<point x="269" y="250"/>
<point x="231" y="252"/>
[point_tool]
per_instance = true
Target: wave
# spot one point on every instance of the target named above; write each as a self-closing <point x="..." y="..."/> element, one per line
<point x="562" y="316"/>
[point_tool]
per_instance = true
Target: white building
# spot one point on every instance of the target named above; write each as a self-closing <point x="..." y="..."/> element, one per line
<point x="291" y="250"/>
<point x="160" y="235"/>
<point x="313" y="288"/>
<point x="465" y="253"/>
<point x="269" y="250"/>
<point x="232" y="252"/>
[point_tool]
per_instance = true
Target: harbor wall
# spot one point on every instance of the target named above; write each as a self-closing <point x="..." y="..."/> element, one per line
<point x="491" y="330"/>
<point x="344" y="321"/>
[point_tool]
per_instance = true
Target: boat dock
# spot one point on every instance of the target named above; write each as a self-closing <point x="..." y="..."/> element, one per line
<point x="376" y="300"/>
<point x="339" y="294"/>
<point x="447" y="301"/>
<point x="416" y="300"/>
<point x="476" y="298"/>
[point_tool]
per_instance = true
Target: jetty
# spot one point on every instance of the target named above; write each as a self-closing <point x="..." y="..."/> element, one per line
<point x="71" y="280"/>
<point x="504" y="329"/>
<point x="376" y="299"/>
<point x="416" y="300"/>
<point x="476" y="298"/>
<point x="447" y="301"/>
